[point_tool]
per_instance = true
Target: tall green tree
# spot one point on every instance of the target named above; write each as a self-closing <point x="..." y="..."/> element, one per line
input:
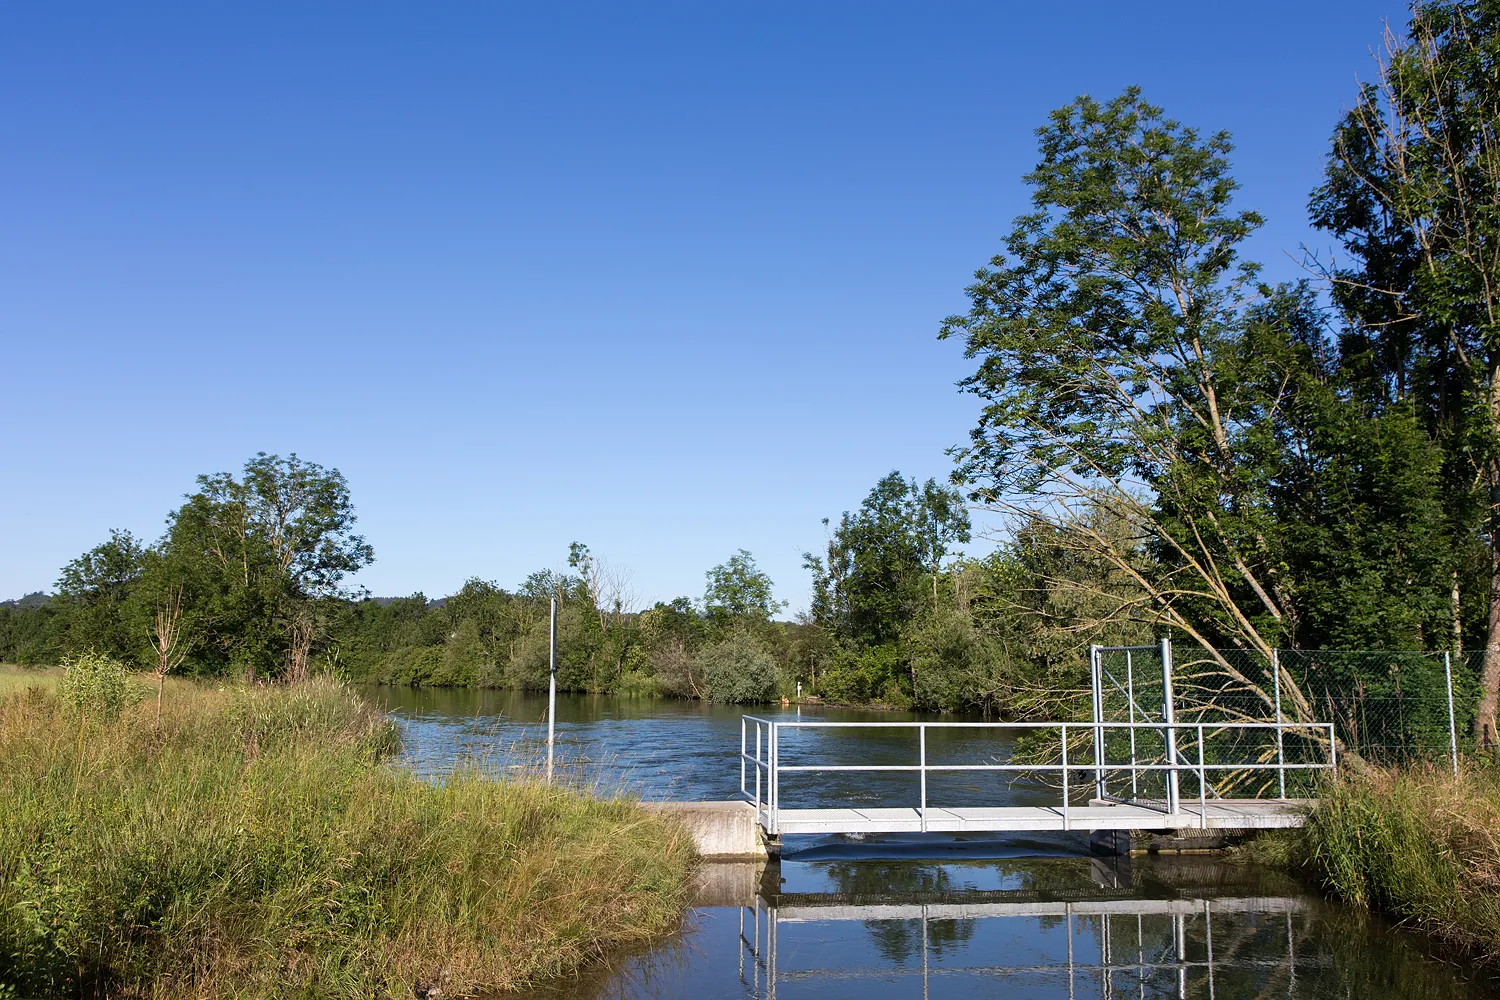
<point x="1111" y="336"/>
<point x="94" y="597"/>
<point x="873" y="578"/>
<point x="256" y="554"/>
<point x="738" y="589"/>
<point x="1413" y="194"/>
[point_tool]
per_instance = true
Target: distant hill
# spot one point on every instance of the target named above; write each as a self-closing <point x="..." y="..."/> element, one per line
<point x="36" y="599"/>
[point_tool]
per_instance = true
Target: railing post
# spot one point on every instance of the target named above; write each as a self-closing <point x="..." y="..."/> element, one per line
<point x="1202" y="784"/>
<point x="922" y="752"/>
<point x="1096" y="671"/>
<point x="1280" y="741"/>
<point x="774" y="792"/>
<point x="1130" y="696"/>
<point x="743" y="746"/>
<point x="757" y="768"/>
<point x="1064" y="727"/>
<point x="1452" y="728"/>
<point x="1169" y="716"/>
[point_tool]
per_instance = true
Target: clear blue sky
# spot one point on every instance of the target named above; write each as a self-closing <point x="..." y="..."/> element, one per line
<point x="662" y="279"/>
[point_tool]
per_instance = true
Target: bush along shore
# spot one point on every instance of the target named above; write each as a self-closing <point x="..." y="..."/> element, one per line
<point x="1419" y="844"/>
<point x="259" y="842"/>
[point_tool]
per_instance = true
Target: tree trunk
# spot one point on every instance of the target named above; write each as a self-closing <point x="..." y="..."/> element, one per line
<point x="1458" y="619"/>
<point x="1489" y="681"/>
<point x="161" y="682"/>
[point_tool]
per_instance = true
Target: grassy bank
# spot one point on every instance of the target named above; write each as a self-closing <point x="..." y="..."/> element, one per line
<point x="261" y="845"/>
<point x="1420" y="845"/>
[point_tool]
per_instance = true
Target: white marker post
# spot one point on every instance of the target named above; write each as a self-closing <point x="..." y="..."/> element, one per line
<point x="552" y="690"/>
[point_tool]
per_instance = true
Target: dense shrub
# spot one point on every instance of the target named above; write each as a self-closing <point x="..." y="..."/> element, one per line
<point x="95" y="685"/>
<point x="737" y="671"/>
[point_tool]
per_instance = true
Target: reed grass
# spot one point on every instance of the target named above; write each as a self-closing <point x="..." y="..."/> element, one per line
<point x="261" y="843"/>
<point x="1420" y="844"/>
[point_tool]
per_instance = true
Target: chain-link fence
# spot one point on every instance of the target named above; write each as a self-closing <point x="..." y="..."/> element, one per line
<point x="1387" y="707"/>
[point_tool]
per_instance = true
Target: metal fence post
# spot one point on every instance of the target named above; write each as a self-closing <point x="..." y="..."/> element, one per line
<point x="922" y="751"/>
<point x="1096" y="671"/>
<point x="1130" y="696"/>
<point x="1202" y="784"/>
<point x="1064" y="727"/>
<point x="1452" y="726"/>
<point x="775" y="792"/>
<point x="551" y="688"/>
<point x="742" y="755"/>
<point x="1280" y="743"/>
<point x="1169" y="716"/>
<point x="757" y="768"/>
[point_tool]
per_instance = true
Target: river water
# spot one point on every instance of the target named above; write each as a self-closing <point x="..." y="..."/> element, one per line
<point x="911" y="916"/>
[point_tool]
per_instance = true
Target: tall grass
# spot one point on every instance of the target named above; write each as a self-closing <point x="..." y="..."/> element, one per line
<point x="261" y="844"/>
<point x="16" y="680"/>
<point x="1422" y="845"/>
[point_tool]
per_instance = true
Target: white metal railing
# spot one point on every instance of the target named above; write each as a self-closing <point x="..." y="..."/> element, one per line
<point x="763" y="759"/>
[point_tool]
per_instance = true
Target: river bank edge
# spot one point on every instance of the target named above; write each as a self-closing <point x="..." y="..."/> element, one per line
<point x="1419" y="845"/>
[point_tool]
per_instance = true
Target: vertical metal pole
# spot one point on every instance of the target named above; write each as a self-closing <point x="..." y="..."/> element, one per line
<point x="1065" y="774"/>
<point x="1130" y="694"/>
<point x="922" y="751"/>
<point x="774" y="793"/>
<point x="1202" y="784"/>
<point x="742" y="755"/>
<point x="551" y="688"/>
<point x="1169" y="716"/>
<point x="1096" y="670"/>
<point x="757" y="772"/>
<point x="1452" y="727"/>
<point x="1280" y="740"/>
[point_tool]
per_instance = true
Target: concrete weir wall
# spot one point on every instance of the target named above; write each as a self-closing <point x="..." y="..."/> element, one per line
<point x="722" y="831"/>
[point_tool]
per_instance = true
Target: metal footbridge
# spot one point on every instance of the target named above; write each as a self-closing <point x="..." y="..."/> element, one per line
<point x="1140" y="773"/>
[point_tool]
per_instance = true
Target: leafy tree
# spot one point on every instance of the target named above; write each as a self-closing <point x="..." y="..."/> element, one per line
<point x="738" y="589"/>
<point x="1111" y="335"/>
<point x="1412" y="191"/>
<point x="95" y="590"/>
<point x="880" y="558"/>
<point x="254" y="554"/>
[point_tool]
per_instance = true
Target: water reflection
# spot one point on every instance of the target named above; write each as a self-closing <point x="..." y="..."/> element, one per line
<point x="1063" y="928"/>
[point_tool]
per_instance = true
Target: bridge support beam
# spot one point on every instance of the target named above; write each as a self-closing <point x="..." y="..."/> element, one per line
<point x="1109" y="843"/>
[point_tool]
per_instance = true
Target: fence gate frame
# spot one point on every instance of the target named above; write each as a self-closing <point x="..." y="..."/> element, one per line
<point x="1098" y="672"/>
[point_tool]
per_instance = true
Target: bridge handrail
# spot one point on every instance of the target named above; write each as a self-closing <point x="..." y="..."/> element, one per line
<point x="766" y="759"/>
